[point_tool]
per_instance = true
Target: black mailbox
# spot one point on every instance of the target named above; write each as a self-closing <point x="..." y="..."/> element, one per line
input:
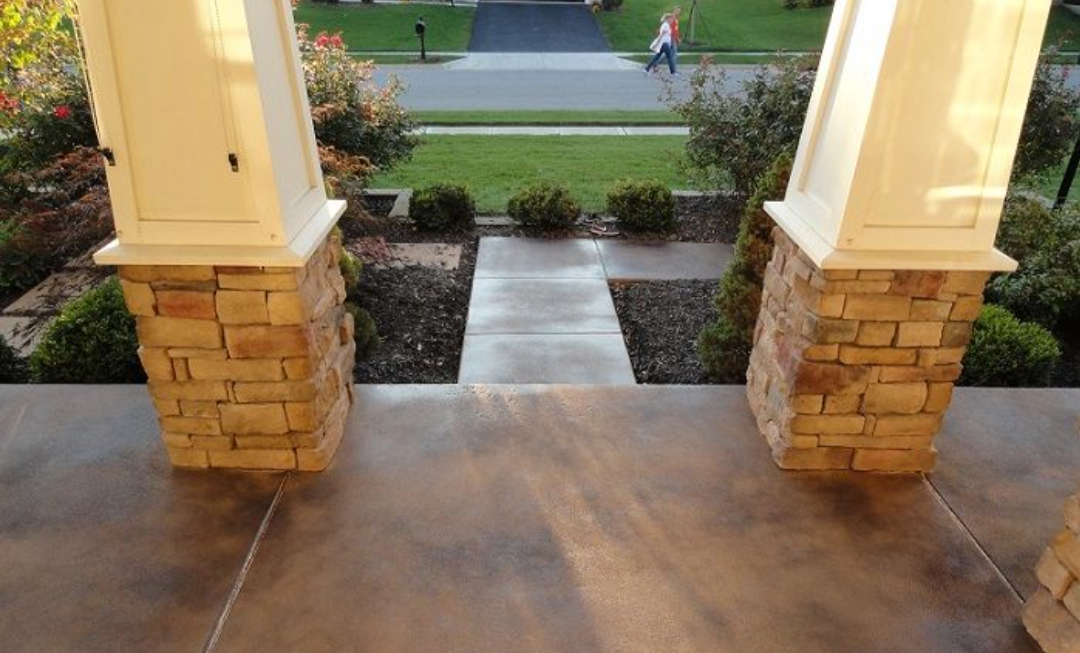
<point x="420" y="27"/>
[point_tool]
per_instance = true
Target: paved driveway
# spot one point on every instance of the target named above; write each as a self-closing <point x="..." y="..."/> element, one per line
<point x="533" y="27"/>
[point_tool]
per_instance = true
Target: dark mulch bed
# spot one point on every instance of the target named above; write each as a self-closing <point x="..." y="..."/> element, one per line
<point x="420" y="313"/>
<point x="661" y="321"/>
<point x="708" y="219"/>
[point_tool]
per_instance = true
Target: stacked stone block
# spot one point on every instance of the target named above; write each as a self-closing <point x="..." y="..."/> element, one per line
<point x="1052" y="614"/>
<point x="248" y="367"/>
<point x="854" y="369"/>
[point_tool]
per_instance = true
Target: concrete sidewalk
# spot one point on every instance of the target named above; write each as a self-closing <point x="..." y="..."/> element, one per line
<point x="528" y="130"/>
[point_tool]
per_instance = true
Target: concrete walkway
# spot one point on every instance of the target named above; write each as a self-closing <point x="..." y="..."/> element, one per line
<point x="523" y="519"/>
<point x="503" y="130"/>
<point x="541" y="310"/>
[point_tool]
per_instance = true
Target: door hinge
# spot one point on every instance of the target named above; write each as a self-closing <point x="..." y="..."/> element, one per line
<point x="234" y="162"/>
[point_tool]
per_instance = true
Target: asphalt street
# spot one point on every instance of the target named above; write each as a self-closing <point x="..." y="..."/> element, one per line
<point x="435" y="88"/>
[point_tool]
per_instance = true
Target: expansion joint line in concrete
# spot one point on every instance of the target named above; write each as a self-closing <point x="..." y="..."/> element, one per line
<point x="249" y="560"/>
<point x="971" y="537"/>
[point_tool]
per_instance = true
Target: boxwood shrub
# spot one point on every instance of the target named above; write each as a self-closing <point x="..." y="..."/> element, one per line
<point x="1006" y="352"/>
<point x="93" y="340"/>
<point x="365" y="333"/>
<point x="644" y="206"/>
<point x="442" y="207"/>
<point x="724" y="347"/>
<point x="544" y="206"/>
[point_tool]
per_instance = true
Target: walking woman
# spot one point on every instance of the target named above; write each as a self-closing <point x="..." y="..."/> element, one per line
<point x="662" y="46"/>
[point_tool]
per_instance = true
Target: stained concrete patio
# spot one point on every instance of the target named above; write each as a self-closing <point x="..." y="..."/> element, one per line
<point x="522" y="518"/>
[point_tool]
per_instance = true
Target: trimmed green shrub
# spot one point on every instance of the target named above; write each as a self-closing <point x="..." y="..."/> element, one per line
<point x="807" y="4"/>
<point x="442" y="207"/>
<point x="725" y="347"/>
<point x="644" y="206"/>
<point x="93" y="340"/>
<point x="1006" y="352"/>
<point x="1025" y="226"/>
<point x="365" y="333"/>
<point x="24" y="257"/>
<point x="350" y="269"/>
<point x="1046" y="288"/>
<point x="12" y="368"/>
<point x="544" y="206"/>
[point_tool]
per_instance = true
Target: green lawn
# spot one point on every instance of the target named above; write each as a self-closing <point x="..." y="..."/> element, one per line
<point x="757" y="25"/>
<point x="390" y="27"/>
<point x="1048" y="184"/>
<point x="495" y="167"/>
<point x="546" y="118"/>
<point x="722" y="25"/>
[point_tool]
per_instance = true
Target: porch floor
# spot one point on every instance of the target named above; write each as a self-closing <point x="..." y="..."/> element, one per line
<point x="523" y="518"/>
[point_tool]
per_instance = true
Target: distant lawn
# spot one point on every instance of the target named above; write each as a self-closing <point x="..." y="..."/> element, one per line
<point x="757" y="25"/>
<point x="547" y="118"/>
<point x="495" y="167"/>
<point x="390" y="27"/>
<point x="1049" y="183"/>
<point x="722" y="25"/>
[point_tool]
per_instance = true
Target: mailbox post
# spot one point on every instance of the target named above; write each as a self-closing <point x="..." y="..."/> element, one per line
<point x="421" y="28"/>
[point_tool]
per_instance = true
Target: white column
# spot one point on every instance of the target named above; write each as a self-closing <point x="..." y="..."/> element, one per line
<point x="203" y="108"/>
<point x="911" y="134"/>
<point x="222" y="228"/>
<point x="888" y="228"/>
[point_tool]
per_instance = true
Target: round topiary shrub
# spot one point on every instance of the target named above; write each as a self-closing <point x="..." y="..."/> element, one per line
<point x="442" y="207"/>
<point x="93" y="340"/>
<point x="365" y="332"/>
<point x="12" y="368"/>
<point x="544" y="206"/>
<point x="647" y="206"/>
<point x="1006" y="352"/>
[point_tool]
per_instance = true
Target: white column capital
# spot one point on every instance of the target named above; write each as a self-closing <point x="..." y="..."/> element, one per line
<point x="911" y="133"/>
<point x="203" y="108"/>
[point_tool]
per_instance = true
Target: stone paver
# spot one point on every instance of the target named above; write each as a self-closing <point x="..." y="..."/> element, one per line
<point x="24" y="333"/>
<point x="541" y="306"/>
<point x="49" y="296"/>
<point x="577" y="358"/>
<point x="521" y="258"/>
<point x="432" y="255"/>
<point x="1009" y="457"/>
<point x="628" y="520"/>
<point x="629" y="261"/>
<point x="104" y="547"/>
